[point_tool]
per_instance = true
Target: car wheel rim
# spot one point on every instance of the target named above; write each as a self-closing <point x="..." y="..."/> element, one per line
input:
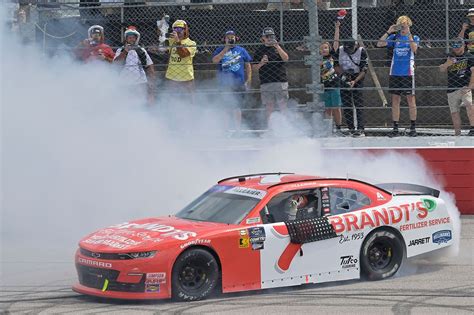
<point x="380" y="255"/>
<point x="193" y="275"/>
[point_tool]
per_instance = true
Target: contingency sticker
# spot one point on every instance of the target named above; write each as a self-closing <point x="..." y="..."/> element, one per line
<point x="152" y="288"/>
<point x="155" y="277"/>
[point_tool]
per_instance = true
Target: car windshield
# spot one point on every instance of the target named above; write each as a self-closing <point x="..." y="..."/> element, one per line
<point x="222" y="204"/>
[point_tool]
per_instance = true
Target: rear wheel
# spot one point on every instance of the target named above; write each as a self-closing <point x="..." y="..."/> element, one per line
<point x="195" y="275"/>
<point x="381" y="255"/>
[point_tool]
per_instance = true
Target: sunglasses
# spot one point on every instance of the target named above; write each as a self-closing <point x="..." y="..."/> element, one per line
<point x="178" y="29"/>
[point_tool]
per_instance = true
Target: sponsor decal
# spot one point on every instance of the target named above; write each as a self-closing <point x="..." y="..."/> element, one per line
<point x="95" y="263"/>
<point x="220" y="188"/>
<point x="377" y="217"/>
<point x="155" y="278"/>
<point x="326" y="210"/>
<point x="380" y="196"/>
<point x="244" y="242"/>
<point x="354" y="237"/>
<point x="164" y="230"/>
<point x="256" y="234"/>
<point x="243" y="232"/>
<point x="425" y="223"/>
<point x="112" y="240"/>
<point x="253" y="220"/>
<point x="419" y="241"/>
<point x="257" y="246"/>
<point x="325" y="195"/>
<point x="195" y="242"/>
<point x="443" y="236"/>
<point x="348" y="262"/>
<point x="248" y="192"/>
<point x="430" y="204"/>
<point x="152" y="288"/>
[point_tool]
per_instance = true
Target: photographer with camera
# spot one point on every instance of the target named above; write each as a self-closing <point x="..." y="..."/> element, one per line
<point x="399" y="40"/>
<point x="235" y="72"/>
<point x="94" y="47"/>
<point x="460" y="68"/>
<point x="138" y="67"/>
<point x="467" y="30"/>
<point x="352" y="67"/>
<point x="270" y="62"/>
<point x="180" y="72"/>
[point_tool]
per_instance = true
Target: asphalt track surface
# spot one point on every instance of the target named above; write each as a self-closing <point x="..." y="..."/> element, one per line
<point x="423" y="286"/>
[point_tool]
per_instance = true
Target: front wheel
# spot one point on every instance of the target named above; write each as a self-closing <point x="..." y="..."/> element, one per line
<point x="381" y="255"/>
<point x="195" y="275"/>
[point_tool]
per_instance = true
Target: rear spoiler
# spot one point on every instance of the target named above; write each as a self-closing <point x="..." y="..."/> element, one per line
<point x="408" y="189"/>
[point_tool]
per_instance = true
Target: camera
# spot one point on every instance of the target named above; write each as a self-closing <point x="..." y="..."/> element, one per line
<point x="231" y="41"/>
<point x="398" y="27"/>
<point x="347" y="77"/>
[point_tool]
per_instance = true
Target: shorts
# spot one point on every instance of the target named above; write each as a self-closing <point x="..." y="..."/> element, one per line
<point x="332" y="98"/>
<point x="402" y="85"/>
<point x="274" y="92"/>
<point x="459" y="98"/>
<point x="234" y="96"/>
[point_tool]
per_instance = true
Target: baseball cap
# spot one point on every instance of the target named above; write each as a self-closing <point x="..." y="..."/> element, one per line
<point x="457" y="43"/>
<point x="268" y="31"/>
<point x="96" y="31"/>
<point x="179" y="23"/>
<point x="230" y="32"/>
<point x="470" y="12"/>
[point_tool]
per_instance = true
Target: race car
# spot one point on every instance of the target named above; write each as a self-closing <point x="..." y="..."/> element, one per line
<point x="267" y="230"/>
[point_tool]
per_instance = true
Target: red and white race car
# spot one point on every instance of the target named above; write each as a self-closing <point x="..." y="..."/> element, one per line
<point x="262" y="231"/>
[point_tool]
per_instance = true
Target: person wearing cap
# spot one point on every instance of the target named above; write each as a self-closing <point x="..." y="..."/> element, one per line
<point x="138" y="67"/>
<point x="403" y="45"/>
<point x="352" y="67"/>
<point x="94" y="47"/>
<point x="467" y="30"/>
<point x="235" y="72"/>
<point x="180" y="72"/>
<point x="460" y="68"/>
<point x="270" y="62"/>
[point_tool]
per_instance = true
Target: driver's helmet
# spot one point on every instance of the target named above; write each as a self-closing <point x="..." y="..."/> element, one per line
<point x="295" y="203"/>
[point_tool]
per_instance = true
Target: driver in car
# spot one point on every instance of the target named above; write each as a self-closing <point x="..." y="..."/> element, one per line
<point x="302" y="207"/>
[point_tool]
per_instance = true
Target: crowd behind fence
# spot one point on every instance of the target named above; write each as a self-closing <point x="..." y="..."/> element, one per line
<point x="58" y="26"/>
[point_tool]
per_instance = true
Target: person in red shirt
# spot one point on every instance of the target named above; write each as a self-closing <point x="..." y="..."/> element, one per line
<point x="94" y="47"/>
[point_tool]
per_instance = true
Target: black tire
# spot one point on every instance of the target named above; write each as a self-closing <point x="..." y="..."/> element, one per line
<point x="195" y="275"/>
<point x="381" y="255"/>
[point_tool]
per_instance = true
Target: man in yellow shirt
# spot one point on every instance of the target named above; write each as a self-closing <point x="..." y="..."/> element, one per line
<point x="180" y="72"/>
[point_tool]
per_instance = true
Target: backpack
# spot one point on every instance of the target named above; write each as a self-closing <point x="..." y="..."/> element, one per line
<point x="141" y="53"/>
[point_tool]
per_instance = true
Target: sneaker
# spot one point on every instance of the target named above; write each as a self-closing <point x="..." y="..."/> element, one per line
<point x="394" y="133"/>
<point x="471" y="132"/>
<point x="412" y="133"/>
<point x="359" y="133"/>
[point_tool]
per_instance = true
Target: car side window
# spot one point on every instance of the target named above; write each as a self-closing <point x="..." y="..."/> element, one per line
<point x="344" y="200"/>
<point x="293" y="205"/>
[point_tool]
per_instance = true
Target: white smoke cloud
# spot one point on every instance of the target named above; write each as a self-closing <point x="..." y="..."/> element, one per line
<point x="80" y="151"/>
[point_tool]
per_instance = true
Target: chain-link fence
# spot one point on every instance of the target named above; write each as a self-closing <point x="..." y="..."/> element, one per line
<point x="363" y="81"/>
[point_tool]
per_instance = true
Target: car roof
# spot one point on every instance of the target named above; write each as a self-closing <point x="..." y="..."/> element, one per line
<point x="266" y="181"/>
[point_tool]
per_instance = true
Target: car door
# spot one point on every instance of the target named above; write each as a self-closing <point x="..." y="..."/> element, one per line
<point x="284" y="259"/>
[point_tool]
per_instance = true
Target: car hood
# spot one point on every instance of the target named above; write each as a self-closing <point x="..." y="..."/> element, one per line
<point x="148" y="234"/>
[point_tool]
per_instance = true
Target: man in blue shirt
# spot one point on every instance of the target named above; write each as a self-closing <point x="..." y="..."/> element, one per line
<point x="235" y="72"/>
<point x="399" y="40"/>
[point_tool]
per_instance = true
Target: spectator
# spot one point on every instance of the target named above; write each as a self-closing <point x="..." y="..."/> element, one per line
<point x="467" y="30"/>
<point x="460" y="67"/>
<point x="94" y="47"/>
<point x="330" y="81"/>
<point x="352" y="60"/>
<point x="180" y="72"/>
<point x="270" y="62"/>
<point x="404" y="45"/>
<point x="235" y="71"/>
<point x="137" y="64"/>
